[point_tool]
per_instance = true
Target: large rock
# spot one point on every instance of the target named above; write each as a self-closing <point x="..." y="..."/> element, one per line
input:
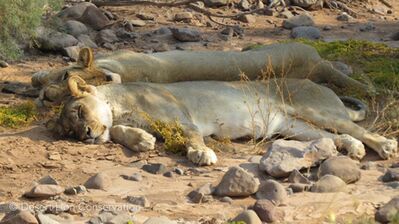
<point x="75" y="28"/>
<point x="186" y="34"/>
<point x="306" y="3"/>
<point x="106" y="36"/>
<point x="74" y="12"/>
<point x="329" y="183"/>
<point x="216" y="3"/>
<point x="94" y="18"/>
<point x="386" y="212"/>
<point x="342" y="167"/>
<point x="19" y="217"/>
<point x="237" y="182"/>
<point x="296" y="21"/>
<point x="285" y="156"/>
<point x="98" y="181"/>
<point x="267" y="211"/>
<point x="44" y="191"/>
<point x="87" y="41"/>
<point x="272" y="191"/>
<point x="53" y="40"/>
<point x="248" y="217"/>
<point x="306" y="32"/>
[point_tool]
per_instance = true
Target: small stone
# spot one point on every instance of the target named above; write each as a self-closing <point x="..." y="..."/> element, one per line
<point x="44" y="219"/>
<point x="297" y="187"/>
<point x="329" y="183"/>
<point x="198" y="195"/>
<point x="248" y="217"/>
<point x="19" y="217"/>
<point x="307" y="32"/>
<point x="183" y="16"/>
<point x="47" y="180"/>
<point x="388" y="211"/>
<point x="327" y="28"/>
<point x="44" y="191"/>
<point x="154" y="168"/>
<point x="304" y="3"/>
<point x="134" y="177"/>
<point x="186" y="34"/>
<point x="247" y="18"/>
<point x="227" y="199"/>
<point x="342" y="167"/>
<point x="392" y="174"/>
<point x="159" y="220"/>
<point x="106" y="36"/>
<point x="178" y="171"/>
<point x="145" y="16"/>
<point x="272" y="191"/>
<point x="99" y="181"/>
<point x="393" y="184"/>
<point x="3" y="64"/>
<point x="296" y="21"/>
<point x="137" y="22"/>
<point x="75" y="190"/>
<point x="344" y="17"/>
<point x="267" y="211"/>
<point x="138" y="200"/>
<point x="86" y="41"/>
<point x="367" y="27"/>
<point x="237" y="182"/>
<point x="169" y="174"/>
<point x="298" y="177"/>
<point x="95" y="18"/>
<point x="73" y="53"/>
<point x="216" y="3"/>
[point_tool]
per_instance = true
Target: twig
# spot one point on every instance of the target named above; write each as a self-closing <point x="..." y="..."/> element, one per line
<point x="386" y="3"/>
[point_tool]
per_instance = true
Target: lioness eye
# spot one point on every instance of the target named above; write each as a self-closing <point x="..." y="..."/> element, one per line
<point x="65" y="76"/>
<point x="80" y="112"/>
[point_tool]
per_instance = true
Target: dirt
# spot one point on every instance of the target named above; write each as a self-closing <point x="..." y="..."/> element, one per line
<point x="25" y="152"/>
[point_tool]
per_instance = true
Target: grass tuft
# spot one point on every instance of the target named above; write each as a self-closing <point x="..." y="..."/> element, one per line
<point x="18" y="115"/>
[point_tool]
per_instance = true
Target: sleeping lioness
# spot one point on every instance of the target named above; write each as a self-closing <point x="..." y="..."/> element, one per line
<point x="294" y="108"/>
<point x="291" y="60"/>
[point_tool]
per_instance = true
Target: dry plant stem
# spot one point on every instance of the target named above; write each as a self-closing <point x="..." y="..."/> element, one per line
<point x="386" y="3"/>
<point x="337" y="4"/>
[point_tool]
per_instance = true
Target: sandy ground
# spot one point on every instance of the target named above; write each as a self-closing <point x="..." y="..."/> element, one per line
<point x="29" y="153"/>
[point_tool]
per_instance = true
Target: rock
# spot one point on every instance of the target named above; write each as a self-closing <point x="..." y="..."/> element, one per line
<point x="392" y="174"/>
<point x="159" y="220"/>
<point x="75" y="28"/>
<point x="178" y="171"/>
<point x="216" y="3"/>
<point x="297" y="187"/>
<point x="71" y="52"/>
<point x="75" y="190"/>
<point x="248" y="217"/>
<point x="267" y="212"/>
<point x="57" y="208"/>
<point x="3" y="64"/>
<point x="94" y="18"/>
<point x="342" y="67"/>
<point x="19" y="217"/>
<point x="184" y="16"/>
<point x="76" y="11"/>
<point x="53" y="40"/>
<point x="137" y="22"/>
<point x="342" y="167"/>
<point x="86" y="41"/>
<point x="44" y="219"/>
<point x="226" y="200"/>
<point x="98" y="181"/>
<point x="134" y="177"/>
<point x="44" y="191"/>
<point x="237" y="182"/>
<point x="198" y="195"/>
<point x="169" y="174"/>
<point x="186" y="34"/>
<point x="154" y="168"/>
<point x="296" y="21"/>
<point x="387" y="211"/>
<point x="306" y="32"/>
<point x="329" y="183"/>
<point x="106" y="36"/>
<point x="286" y="14"/>
<point x="285" y="156"/>
<point x="272" y="191"/>
<point x="123" y="34"/>
<point x="109" y="15"/>
<point x="298" y="177"/>
<point x="47" y="180"/>
<point x="304" y="3"/>
<point x="327" y="28"/>
<point x="244" y="5"/>
<point x="145" y="16"/>
<point x="395" y="36"/>
<point x="138" y="163"/>
<point x="343" y="16"/>
<point x="368" y="165"/>
<point x="162" y="31"/>
<point x="367" y="27"/>
<point x="247" y="18"/>
<point x="138" y="200"/>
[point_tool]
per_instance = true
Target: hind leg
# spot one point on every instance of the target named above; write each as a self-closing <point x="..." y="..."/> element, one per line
<point x="303" y="131"/>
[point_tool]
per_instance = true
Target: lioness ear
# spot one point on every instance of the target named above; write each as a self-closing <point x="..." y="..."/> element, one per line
<point x="78" y="87"/>
<point x="86" y="57"/>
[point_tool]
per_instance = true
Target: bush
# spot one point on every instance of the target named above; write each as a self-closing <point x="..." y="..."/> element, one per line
<point x="19" y="19"/>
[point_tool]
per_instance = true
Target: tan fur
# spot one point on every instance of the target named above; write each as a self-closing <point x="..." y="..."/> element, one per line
<point x="293" y="108"/>
<point x="290" y="60"/>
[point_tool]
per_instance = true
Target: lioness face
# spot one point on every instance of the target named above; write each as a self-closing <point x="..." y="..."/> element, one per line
<point x="86" y="118"/>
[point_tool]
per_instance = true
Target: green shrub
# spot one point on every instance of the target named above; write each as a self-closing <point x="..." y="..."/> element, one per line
<point x="19" y="19"/>
<point x="18" y="115"/>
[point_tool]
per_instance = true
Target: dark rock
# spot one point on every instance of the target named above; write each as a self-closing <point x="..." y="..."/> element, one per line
<point x="94" y="18"/>
<point x="216" y="3"/>
<point x="154" y="168"/>
<point x="138" y="200"/>
<point x="183" y="16"/>
<point x="305" y="3"/>
<point x="106" y="36"/>
<point x="342" y="67"/>
<point x="306" y="32"/>
<point x="386" y="212"/>
<point x="392" y="174"/>
<point x="199" y="195"/>
<point x="3" y="64"/>
<point x="186" y="34"/>
<point x="178" y="171"/>
<point x="169" y="174"/>
<point x="53" y="40"/>
<point x="342" y="167"/>
<point x="134" y="177"/>
<point x="296" y="21"/>
<point x="272" y="191"/>
<point x="267" y="211"/>
<point x="75" y="28"/>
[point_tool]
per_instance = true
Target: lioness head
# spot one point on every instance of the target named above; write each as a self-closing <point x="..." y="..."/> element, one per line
<point x="54" y="83"/>
<point x="84" y="116"/>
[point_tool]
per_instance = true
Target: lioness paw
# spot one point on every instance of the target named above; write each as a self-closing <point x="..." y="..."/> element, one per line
<point x="354" y="147"/>
<point x="135" y="139"/>
<point x="388" y="149"/>
<point x="202" y="156"/>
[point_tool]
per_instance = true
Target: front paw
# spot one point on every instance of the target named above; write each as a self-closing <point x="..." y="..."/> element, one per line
<point x="354" y="147"/>
<point x="201" y="155"/>
<point x="135" y="139"/>
<point x="388" y="149"/>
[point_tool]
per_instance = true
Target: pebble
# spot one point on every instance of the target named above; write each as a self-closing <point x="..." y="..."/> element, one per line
<point x="134" y="177"/>
<point x="154" y="168"/>
<point x="138" y="200"/>
<point x="98" y="181"/>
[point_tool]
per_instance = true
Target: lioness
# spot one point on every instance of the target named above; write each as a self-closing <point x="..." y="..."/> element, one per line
<point x="298" y="109"/>
<point x="291" y="60"/>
